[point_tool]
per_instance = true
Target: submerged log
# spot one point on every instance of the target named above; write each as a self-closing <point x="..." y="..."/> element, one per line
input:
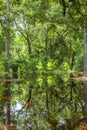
<point x="7" y="127"/>
<point x="9" y="80"/>
<point x="81" y="78"/>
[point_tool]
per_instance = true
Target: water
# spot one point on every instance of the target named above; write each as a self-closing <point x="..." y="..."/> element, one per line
<point x="45" y="102"/>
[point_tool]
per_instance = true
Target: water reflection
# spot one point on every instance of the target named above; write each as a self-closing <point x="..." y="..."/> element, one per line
<point x="45" y="102"/>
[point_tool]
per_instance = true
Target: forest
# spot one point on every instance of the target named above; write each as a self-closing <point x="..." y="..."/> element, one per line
<point x="43" y="64"/>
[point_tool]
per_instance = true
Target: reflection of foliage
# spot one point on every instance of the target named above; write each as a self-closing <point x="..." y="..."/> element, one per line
<point x="46" y="48"/>
<point x="61" y="106"/>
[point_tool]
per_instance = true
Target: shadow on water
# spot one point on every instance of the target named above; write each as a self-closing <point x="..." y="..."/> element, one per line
<point x="44" y="102"/>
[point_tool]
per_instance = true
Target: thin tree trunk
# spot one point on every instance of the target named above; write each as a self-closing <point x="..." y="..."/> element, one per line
<point x="47" y="91"/>
<point x="7" y="68"/>
<point x="71" y="75"/>
<point x="85" y="74"/>
<point x="29" y="45"/>
<point x="47" y="100"/>
<point x="7" y="29"/>
<point x="29" y="51"/>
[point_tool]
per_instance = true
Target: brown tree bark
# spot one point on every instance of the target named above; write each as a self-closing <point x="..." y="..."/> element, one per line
<point x="85" y="74"/>
<point x="7" y="67"/>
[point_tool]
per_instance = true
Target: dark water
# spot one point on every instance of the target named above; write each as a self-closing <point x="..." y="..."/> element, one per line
<point x="44" y="102"/>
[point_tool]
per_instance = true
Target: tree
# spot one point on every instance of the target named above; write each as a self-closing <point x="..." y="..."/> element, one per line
<point x="45" y="49"/>
<point x="7" y="67"/>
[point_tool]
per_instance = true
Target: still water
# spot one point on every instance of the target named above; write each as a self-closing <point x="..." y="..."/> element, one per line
<point x="44" y="102"/>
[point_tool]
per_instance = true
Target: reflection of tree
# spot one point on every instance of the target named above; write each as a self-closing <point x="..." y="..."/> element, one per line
<point x="7" y="67"/>
<point x="53" y="44"/>
<point x="85" y="74"/>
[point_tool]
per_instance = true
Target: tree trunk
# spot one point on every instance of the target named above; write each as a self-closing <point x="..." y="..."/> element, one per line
<point x="85" y="74"/>
<point x="7" y="29"/>
<point x="29" y="45"/>
<point x="7" y="68"/>
<point x="47" y="91"/>
<point x="29" y="51"/>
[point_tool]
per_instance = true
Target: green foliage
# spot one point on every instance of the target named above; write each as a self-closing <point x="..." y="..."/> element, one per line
<point x="46" y="46"/>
